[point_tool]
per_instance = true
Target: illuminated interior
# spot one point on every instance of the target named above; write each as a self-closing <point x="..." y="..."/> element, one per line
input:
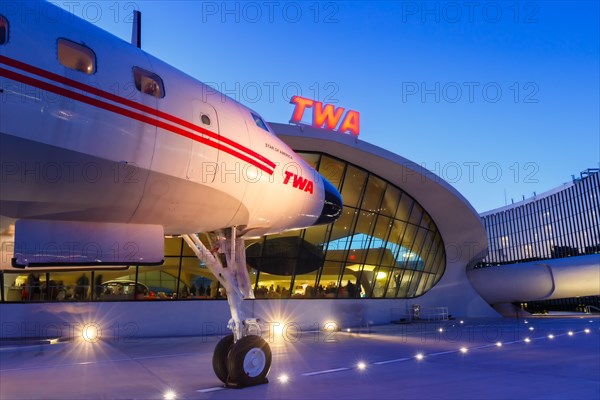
<point x="383" y="245"/>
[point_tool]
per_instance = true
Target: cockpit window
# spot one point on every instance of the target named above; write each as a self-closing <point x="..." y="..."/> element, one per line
<point x="259" y="122"/>
<point x="76" y="56"/>
<point x="148" y="82"/>
<point x="3" y="30"/>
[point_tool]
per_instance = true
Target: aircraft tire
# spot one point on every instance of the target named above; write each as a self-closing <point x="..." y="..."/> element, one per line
<point x="249" y="361"/>
<point x="219" y="360"/>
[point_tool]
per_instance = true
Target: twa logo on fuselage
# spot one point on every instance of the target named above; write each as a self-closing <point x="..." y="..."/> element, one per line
<point x="298" y="182"/>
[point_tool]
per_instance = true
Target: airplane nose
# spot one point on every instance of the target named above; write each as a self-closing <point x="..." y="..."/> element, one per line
<point x="332" y="207"/>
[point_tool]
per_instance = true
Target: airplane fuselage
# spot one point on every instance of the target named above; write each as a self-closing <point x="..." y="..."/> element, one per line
<point x="92" y="143"/>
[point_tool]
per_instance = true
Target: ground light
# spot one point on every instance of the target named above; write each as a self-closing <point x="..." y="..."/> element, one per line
<point x="420" y="356"/>
<point x="527" y="340"/>
<point x="498" y="344"/>
<point x="464" y="350"/>
<point x="330" y="326"/>
<point x="570" y="333"/>
<point x="550" y="336"/>
<point x="283" y="378"/>
<point x="90" y="333"/>
<point x="531" y="328"/>
<point x="278" y="328"/>
<point x="361" y="366"/>
<point x="169" y="395"/>
<point x="586" y="330"/>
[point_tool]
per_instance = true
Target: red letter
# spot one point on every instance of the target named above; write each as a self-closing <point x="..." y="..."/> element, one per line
<point x="301" y="104"/>
<point x="309" y="187"/>
<point x="288" y="175"/>
<point x="330" y="116"/>
<point x="351" y="123"/>
<point x="299" y="182"/>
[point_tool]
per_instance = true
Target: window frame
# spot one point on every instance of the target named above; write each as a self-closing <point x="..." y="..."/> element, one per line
<point x="83" y="49"/>
<point x="263" y="125"/>
<point x="4" y="25"/>
<point x="139" y="72"/>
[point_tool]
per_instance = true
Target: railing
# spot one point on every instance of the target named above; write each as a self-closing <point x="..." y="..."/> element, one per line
<point x="588" y="309"/>
<point x="419" y="313"/>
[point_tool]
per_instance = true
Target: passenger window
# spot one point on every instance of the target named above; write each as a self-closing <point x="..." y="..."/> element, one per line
<point x="3" y="30"/>
<point x="76" y="56"/>
<point x="259" y="122"/>
<point x="148" y="82"/>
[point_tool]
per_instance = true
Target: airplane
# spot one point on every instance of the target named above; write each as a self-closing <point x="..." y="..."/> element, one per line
<point x="105" y="149"/>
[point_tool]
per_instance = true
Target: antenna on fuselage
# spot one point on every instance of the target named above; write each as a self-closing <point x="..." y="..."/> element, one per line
<point x="136" y="29"/>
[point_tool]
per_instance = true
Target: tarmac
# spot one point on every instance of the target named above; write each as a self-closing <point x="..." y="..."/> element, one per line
<point x="536" y="358"/>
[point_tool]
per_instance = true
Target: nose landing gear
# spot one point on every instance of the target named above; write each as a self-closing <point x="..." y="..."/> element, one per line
<point x="240" y="359"/>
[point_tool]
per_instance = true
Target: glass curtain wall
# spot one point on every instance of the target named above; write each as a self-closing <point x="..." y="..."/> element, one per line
<point x="384" y="245"/>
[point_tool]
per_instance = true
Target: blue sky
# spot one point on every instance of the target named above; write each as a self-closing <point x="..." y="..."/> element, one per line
<point x="499" y="98"/>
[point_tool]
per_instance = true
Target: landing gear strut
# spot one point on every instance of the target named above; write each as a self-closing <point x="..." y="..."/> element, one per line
<point x="240" y="359"/>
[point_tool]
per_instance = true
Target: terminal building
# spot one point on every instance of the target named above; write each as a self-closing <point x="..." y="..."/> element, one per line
<point x="544" y="252"/>
<point x="407" y="246"/>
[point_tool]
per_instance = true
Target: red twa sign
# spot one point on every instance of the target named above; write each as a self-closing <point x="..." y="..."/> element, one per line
<point x="299" y="182"/>
<point x="326" y="116"/>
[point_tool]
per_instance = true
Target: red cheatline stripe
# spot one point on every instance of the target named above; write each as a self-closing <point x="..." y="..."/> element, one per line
<point x="127" y="113"/>
<point x="117" y="99"/>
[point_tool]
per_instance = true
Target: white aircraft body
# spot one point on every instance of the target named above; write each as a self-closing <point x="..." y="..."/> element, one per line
<point x="104" y="149"/>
